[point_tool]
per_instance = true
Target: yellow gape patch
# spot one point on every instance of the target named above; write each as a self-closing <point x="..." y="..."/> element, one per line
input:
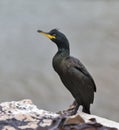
<point x="48" y="35"/>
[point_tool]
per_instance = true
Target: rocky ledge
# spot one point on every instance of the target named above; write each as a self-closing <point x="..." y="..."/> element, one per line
<point x="24" y="115"/>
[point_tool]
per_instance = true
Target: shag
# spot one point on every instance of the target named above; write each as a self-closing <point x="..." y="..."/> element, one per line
<point x="72" y="72"/>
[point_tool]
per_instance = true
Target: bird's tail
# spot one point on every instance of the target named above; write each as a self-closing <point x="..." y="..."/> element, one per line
<point x="86" y="109"/>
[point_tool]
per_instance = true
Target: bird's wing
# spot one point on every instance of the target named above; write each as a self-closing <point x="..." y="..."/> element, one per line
<point x="78" y="66"/>
<point x="79" y="81"/>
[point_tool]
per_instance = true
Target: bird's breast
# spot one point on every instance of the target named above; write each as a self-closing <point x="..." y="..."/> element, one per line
<point x="60" y="66"/>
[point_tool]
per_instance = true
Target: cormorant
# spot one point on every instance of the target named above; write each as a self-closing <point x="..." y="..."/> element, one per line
<point x="72" y="72"/>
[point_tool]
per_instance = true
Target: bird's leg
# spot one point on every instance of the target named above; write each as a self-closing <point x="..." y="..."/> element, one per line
<point x="72" y="110"/>
<point x="73" y="107"/>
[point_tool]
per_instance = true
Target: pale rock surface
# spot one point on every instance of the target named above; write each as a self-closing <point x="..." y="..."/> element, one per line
<point x="24" y="115"/>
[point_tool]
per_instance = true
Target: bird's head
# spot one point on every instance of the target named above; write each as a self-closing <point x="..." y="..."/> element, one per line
<point x="57" y="37"/>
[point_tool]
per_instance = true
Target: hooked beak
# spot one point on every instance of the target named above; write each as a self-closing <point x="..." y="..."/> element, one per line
<point x="46" y="34"/>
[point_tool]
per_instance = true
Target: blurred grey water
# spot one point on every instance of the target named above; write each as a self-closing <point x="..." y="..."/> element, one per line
<point x="92" y="28"/>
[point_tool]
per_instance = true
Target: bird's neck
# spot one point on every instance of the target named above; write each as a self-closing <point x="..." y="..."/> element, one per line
<point x="59" y="57"/>
<point x="63" y="48"/>
<point x="64" y="52"/>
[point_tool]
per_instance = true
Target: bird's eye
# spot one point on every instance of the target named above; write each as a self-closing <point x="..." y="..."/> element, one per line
<point x="54" y="34"/>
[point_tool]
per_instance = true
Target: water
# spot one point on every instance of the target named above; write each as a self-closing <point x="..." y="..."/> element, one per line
<point x="26" y="57"/>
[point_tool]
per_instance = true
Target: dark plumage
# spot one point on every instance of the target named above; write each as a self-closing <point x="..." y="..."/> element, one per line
<point x="72" y="72"/>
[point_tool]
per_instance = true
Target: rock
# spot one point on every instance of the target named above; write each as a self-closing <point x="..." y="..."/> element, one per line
<point x="24" y="115"/>
<point x="101" y="120"/>
<point x="76" y="118"/>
